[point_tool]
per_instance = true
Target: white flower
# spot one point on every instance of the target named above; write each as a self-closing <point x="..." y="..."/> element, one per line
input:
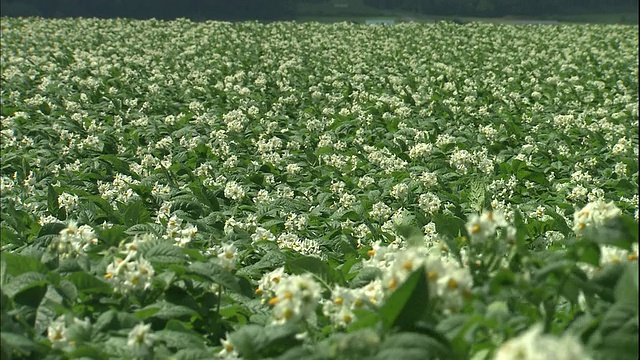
<point x="68" y="201"/>
<point x="74" y="240"/>
<point x="262" y="234"/>
<point x="130" y="275"/>
<point x="296" y="297"/>
<point x="56" y="332"/>
<point x="140" y="339"/>
<point x="233" y="191"/>
<point x="533" y="345"/>
<point x="482" y="227"/>
<point x="399" y="190"/>
<point x="228" y="351"/>
<point x="227" y="256"/>
<point x="429" y="203"/>
<point x="594" y="214"/>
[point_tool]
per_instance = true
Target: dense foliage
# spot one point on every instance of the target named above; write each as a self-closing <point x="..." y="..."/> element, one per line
<point x="198" y="190"/>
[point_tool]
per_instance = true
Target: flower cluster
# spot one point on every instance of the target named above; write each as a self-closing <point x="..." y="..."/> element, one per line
<point x="74" y="240"/>
<point x="484" y="226"/>
<point x="293" y="297"/>
<point x="594" y="214"/>
<point x="176" y="232"/>
<point x="131" y="274"/>
<point x="533" y="344"/>
<point x="449" y="282"/>
<point x="140" y="340"/>
<point x="65" y="332"/>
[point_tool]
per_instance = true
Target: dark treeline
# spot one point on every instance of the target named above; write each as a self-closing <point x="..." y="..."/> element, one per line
<point x="289" y="9"/>
<point x="159" y="9"/>
<point x="498" y="8"/>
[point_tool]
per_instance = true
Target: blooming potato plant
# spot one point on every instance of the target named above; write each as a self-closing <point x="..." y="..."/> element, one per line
<point x="181" y="190"/>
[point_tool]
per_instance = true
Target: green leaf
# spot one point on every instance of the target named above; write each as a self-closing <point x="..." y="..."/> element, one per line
<point x="194" y="354"/>
<point x="408" y="303"/>
<point x="365" y="276"/>
<point x="205" y="195"/>
<point x="414" y="344"/>
<point x="412" y="234"/>
<point x="271" y="260"/>
<point x="87" y="283"/>
<point x="85" y="351"/>
<point x="146" y="228"/>
<point x="105" y="320"/>
<point x="24" y="282"/>
<point x="18" y="264"/>
<point x="161" y="251"/>
<point x="602" y="283"/>
<point x="626" y="289"/>
<point x="180" y="340"/>
<point x="135" y="213"/>
<point x="449" y="225"/>
<point x="21" y="343"/>
<point x="257" y="342"/>
<point x="216" y="273"/>
<point x="46" y="311"/>
<point x="52" y="201"/>
<point x="618" y="316"/>
<point x="164" y="310"/>
<point x="51" y="229"/>
<point x="621" y="231"/>
<point x="301" y="264"/>
<point x="365" y="319"/>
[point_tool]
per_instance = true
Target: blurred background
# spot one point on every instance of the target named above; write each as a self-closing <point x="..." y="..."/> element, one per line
<point x="371" y="11"/>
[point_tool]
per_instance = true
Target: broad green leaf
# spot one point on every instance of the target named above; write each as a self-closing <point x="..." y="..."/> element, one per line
<point x="146" y="228"/>
<point x="301" y="264"/>
<point x="180" y="340"/>
<point x="216" y="273"/>
<point x="194" y="354"/>
<point x="365" y="319"/>
<point x="449" y="225"/>
<point x="24" y="282"/>
<point x="87" y="283"/>
<point x="206" y="196"/>
<point x="135" y="213"/>
<point x="257" y="342"/>
<point x="20" y="342"/>
<point x="18" y="264"/>
<point x="429" y="347"/>
<point x="52" y="201"/>
<point x="51" y="229"/>
<point x="626" y="289"/>
<point x="164" y="310"/>
<point x="365" y="276"/>
<point x="161" y="251"/>
<point x="407" y="303"/>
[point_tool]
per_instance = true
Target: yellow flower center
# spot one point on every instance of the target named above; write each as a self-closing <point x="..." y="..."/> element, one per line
<point x="432" y="275"/>
<point x="393" y="284"/>
<point x="452" y="284"/>
<point x="288" y="314"/>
